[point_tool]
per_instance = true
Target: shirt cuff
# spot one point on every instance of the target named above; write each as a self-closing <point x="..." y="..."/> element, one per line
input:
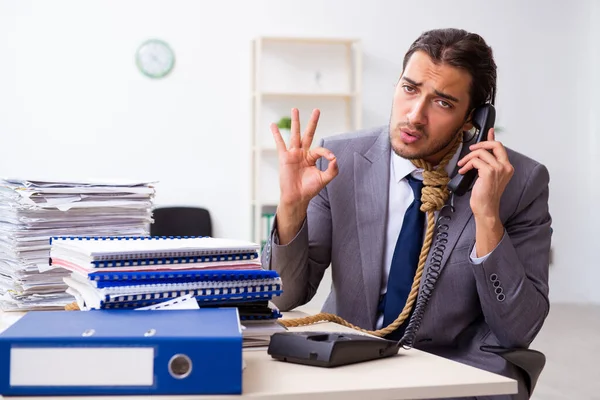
<point x="479" y="260"/>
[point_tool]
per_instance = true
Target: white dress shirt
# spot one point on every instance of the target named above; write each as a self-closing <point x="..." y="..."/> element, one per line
<point x="400" y="198"/>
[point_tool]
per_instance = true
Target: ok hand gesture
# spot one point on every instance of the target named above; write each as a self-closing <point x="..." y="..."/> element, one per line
<point x="299" y="178"/>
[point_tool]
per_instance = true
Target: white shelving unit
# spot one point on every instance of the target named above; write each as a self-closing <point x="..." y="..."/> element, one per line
<point x="304" y="73"/>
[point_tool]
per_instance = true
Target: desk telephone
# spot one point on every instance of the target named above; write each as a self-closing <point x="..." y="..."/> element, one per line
<point x="326" y="349"/>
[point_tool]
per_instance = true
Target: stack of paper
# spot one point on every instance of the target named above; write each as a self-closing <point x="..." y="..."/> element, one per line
<point x="31" y="212"/>
<point x="138" y="271"/>
<point x="257" y="334"/>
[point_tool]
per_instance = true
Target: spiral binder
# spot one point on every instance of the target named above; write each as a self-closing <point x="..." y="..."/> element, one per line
<point x="117" y="248"/>
<point x="175" y="260"/>
<point x="172" y="261"/>
<point x="102" y="279"/>
<point x="238" y="292"/>
<point x="209" y="286"/>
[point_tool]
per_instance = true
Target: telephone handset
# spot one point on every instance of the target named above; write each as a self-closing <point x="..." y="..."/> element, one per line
<point x="483" y="119"/>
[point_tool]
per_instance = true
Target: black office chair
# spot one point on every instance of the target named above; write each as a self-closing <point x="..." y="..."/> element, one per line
<point x="531" y="362"/>
<point x="181" y="221"/>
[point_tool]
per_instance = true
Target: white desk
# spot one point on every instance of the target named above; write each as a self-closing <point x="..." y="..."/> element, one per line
<point x="412" y="374"/>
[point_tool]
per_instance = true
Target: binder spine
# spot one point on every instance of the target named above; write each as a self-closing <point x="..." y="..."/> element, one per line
<point x="257" y="291"/>
<point x="232" y="286"/>
<point x="174" y="260"/>
<point x="157" y="254"/>
<point x="105" y="279"/>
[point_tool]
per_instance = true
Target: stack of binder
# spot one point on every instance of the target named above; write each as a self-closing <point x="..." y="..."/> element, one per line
<point x="139" y="271"/>
<point x="32" y="211"/>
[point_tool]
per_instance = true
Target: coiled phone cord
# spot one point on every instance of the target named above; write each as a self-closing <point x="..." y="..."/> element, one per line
<point x="433" y="197"/>
<point x="431" y="277"/>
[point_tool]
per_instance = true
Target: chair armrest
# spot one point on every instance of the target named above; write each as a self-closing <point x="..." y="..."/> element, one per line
<point x="530" y="361"/>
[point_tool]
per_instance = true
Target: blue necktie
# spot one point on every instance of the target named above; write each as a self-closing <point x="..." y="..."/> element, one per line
<point x="404" y="261"/>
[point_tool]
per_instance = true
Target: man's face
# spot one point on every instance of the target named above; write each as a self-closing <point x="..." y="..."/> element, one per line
<point x="429" y="109"/>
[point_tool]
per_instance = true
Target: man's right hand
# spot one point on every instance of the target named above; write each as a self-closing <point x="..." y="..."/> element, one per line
<point x="299" y="178"/>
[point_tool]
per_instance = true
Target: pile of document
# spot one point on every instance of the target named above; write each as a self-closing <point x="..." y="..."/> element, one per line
<point x="257" y="334"/>
<point x="31" y="212"/>
<point x="139" y="271"/>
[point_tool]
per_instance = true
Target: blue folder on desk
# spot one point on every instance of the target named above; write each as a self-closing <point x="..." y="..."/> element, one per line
<point x="124" y="352"/>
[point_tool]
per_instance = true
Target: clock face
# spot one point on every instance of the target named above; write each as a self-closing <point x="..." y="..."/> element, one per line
<point x="155" y="58"/>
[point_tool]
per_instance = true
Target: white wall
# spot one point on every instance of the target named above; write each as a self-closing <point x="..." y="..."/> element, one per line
<point x="594" y="116"/>
<point x="595" y="108"/>
<point x="74" y="105"/>
<point x="589" y="242"/>
<point x="572" y="150"/>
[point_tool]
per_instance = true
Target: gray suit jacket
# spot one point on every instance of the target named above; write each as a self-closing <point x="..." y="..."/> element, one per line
<point x="501" y="302"/>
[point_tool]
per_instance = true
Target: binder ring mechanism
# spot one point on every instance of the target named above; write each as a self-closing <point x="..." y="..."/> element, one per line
<point x="180" y="366"/>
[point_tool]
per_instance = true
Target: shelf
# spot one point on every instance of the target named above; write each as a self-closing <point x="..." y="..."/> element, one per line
<point x="309" y="40"/>
<point x="276" y="95"/>
<point x="283" y="75"/>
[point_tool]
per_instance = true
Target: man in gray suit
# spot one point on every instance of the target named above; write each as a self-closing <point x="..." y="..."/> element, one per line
<point x="346" y="203"/>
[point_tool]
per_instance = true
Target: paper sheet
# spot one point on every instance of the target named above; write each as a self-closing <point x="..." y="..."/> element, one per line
<point x="187" y="302"/>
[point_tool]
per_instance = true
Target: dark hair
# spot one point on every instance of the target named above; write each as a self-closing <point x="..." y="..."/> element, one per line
<point x="462" y="49"/>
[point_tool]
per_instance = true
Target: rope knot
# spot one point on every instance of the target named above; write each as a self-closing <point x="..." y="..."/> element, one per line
<point x="435" y="192"/>
<point x="433" y="198"/>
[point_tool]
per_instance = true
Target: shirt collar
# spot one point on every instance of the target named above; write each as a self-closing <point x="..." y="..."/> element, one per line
<point x="402" y="166"/>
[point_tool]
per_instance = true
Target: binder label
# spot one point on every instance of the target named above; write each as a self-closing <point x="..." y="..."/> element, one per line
<point x="82" y="366"/>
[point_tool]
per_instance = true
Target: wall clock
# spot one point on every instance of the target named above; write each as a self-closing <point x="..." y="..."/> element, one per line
<point x="155" y="58"/>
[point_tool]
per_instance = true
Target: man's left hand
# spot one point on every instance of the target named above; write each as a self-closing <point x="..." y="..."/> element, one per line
<point x="494" y="170"/>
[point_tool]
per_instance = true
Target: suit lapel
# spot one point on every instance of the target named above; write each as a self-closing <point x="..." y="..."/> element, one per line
<point x="371" y="176"/>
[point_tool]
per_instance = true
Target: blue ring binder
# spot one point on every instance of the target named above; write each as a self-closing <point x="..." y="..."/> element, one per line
<point x="122" y="358"/>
